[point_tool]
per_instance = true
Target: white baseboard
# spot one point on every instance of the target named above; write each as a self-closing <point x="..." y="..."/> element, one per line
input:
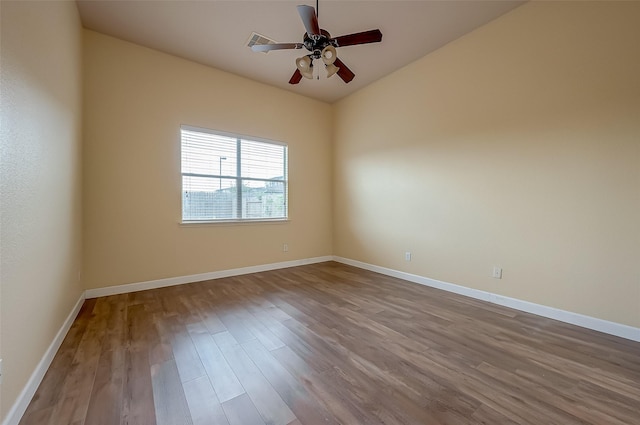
<point x="20" y="406"/>
<point x="612" y="328"/>
<point x="161" y="283"/>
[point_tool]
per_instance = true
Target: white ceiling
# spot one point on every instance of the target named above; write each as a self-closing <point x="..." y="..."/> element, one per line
<point x="215" y="33"/>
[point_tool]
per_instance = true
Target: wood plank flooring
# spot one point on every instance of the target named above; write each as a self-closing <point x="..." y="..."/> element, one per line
<point x="330" y="344"/>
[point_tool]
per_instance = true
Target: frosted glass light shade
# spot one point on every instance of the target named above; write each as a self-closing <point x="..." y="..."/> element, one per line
<point x="329" y="55"/>
<point x="331" y="69"/>
<point x="305" y="66"/>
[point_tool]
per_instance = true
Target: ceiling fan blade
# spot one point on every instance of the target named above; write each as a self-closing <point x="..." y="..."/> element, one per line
<point x="296" y="77"/>
<point x="309" y="19"/>
<point x="276" y="46"/>
<point x="371" y="36"/>
<point x="344" y="72"/>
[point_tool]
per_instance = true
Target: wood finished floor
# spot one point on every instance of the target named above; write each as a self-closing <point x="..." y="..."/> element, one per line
<point x="330" y="344"/>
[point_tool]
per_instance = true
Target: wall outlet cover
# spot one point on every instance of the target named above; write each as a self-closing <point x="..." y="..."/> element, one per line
<point x="497" y="272"/>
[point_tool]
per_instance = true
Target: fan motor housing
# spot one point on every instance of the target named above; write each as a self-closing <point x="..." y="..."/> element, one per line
<point x="318" y="42"/>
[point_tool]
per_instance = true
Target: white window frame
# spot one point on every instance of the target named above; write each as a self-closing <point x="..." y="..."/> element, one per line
<point x="238" y="177"/>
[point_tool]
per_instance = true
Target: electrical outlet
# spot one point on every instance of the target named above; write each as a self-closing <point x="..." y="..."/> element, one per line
<point x="407" y="256"/>
<point x="285" y="247"/>
<point x="497" y="272"/>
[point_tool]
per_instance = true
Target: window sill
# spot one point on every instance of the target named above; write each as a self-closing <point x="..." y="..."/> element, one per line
<point x="234" y="222"/>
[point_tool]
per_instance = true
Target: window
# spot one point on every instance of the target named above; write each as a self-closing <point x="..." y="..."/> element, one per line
<point x="229" y="177"/>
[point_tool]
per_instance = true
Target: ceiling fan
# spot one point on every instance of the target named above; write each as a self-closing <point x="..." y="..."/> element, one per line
<point x="322" y="46"/>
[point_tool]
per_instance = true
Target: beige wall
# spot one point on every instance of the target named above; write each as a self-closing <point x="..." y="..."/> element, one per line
<point x="40" y="245"/>
<point x="135" y="100"/>
<point x="517" y="145"/>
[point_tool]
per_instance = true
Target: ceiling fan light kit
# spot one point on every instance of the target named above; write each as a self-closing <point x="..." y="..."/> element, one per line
<point x="322" y="46"/>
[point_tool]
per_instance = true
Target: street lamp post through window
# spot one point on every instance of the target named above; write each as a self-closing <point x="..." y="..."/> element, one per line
<point x="222" y="158"/>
